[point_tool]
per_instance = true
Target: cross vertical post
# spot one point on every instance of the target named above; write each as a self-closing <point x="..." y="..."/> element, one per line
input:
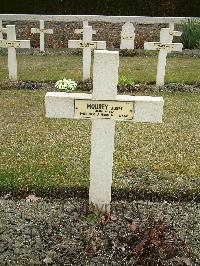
<point x="42" y="36"/>
<point x="2" y="30"/>
<point x="41" y="31"/>
<point x="162" y="59"/>
<point x="11" y="43"/>
<point x="171" y="26"/>
<point x="12" y="59"/>
<point x="105" y="79"/>
<point x="87" y="45"/>
<point x="85" y="23"/>
<point x="87" y="37"/>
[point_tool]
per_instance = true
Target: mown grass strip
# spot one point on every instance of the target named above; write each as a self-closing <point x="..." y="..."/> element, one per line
<point x="138" y="69"/>
<point x="40" y="153"/>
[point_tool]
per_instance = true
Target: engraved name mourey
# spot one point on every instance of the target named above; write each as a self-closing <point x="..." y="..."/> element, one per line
<point x="94" y="109"/>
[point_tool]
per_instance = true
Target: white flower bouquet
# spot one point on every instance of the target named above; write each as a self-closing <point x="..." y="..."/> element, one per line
<point x="66" y="85"/>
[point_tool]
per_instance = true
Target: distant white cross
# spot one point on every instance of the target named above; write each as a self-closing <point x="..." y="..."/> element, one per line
<point x="172" y="33"/>
<point x="127" y="36"/>
<point x="164" y="47"/>
<point x="80" y="31"/>
<point x="2" y="30"/>
<point x="41" y="31"/>
<point x="87" y="45"/>
<point x="11" y="43"/>
<point x="104" y="107"/>
<point x="171" y="26"/>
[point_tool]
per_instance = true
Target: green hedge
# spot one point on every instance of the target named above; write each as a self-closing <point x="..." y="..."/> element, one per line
<point x="104" y="7"/>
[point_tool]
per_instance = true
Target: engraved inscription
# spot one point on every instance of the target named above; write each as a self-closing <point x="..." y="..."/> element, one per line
<point x="91" y="45"/>
<point x="6" y="44"/>
<point x="127" y="37"/>
<point x="89" y="109"/>
<point x="168" y="47"/>
<point x="162" y="46"/>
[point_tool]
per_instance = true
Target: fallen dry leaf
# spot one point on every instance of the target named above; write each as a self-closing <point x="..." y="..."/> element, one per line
<point x="104" y="219"/>
<point x="185" y="260"/>
<point x="113" y="217"/>
<point x="47" y="260"/>
<point x="132" y="226"/>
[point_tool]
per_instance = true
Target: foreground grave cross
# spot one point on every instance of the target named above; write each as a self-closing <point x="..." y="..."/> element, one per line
<point x="41" y="31"/>
<point x="2" y="30"/>
<point x="127" y="36"/>
<point x="87" y="45"/>
<point x="164" y="47"/>
<point x="104" y="107"/>
<point x="11" y="43"/>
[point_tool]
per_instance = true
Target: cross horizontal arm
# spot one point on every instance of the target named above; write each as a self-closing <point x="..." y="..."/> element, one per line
<point x="92" y="45"/>
<point x="80" y="31"/>
<point x="35" y="30"/>
<point x="145" y="108"/>
<point x="175" y="33"/>
<point x="166" y="46"/>
<point x="49" y="31"/>
<point x="3" y="30"/>
<point x="15" y="44"/>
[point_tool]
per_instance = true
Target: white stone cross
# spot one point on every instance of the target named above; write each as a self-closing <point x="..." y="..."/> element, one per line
<point x="104" y="107"/>
<point x="2" y="30"/>
<point x="80" y="31"/>
<point x="164" y="47"/>
<point x="87" y="45"/>
<point x="11" y="43"/>
<point x="127" y="36"/>
<point x="41" y="31"/>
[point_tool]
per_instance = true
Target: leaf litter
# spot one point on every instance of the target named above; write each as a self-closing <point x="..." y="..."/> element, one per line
<point x="67" y="232"/>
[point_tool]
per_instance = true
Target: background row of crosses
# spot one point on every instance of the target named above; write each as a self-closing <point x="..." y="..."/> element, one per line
<point x="127" y="33"/>
<point x="164" y="46"/>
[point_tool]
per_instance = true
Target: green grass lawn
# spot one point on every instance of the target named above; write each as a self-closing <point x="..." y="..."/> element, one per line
<point x="182" y="69"/>
<point x="41" y="153"/>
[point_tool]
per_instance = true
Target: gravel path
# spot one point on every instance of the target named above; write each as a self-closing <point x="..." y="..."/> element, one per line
<point x="36" y="231"/>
